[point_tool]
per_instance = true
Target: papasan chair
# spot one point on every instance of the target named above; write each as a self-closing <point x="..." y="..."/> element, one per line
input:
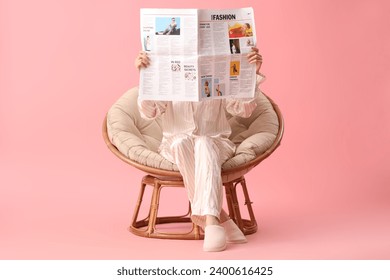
<point x="135" y="141"/>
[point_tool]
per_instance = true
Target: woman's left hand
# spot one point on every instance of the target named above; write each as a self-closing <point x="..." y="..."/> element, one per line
<point x="255" y="57"/>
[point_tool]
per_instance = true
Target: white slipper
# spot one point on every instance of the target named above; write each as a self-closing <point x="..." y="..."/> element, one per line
<point x="233" y="232"/>
<point x="214" y="238"/>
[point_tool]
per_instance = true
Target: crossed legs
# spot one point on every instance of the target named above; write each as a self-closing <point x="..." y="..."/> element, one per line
<point x="199" y="160"/>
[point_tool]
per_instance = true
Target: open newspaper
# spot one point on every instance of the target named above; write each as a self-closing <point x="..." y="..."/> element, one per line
<point x="197" y="54"/>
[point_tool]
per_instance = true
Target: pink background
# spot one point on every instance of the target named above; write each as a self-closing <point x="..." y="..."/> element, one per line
<point x="324" y="194"/>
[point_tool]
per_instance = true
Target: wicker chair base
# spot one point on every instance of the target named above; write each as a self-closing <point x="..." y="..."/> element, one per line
<point x="147" y="226"/>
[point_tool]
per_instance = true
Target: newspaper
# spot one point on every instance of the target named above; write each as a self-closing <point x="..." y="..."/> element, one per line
<point x="197" y="54"/>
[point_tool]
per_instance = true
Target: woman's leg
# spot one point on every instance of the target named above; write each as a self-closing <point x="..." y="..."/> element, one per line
<point x="210" y="154"/>
<point x="199" y="160"/>
<point x="179" y="149"/>
<point x="208" y="195"/>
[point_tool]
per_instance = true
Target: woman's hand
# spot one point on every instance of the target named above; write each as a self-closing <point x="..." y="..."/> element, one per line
<point x="255" y="57"/>
<point x="142" y="60"/>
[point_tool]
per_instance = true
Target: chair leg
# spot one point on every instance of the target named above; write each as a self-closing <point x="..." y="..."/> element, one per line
<point x="228" y="192"/>
<point x="251" y="225"/>
<point x="232" y="203"/>
<point x="147" y="226"/>
<point x="246" y="226"/>
<point x="138" y="204"/>
<point x="154" y="207"/>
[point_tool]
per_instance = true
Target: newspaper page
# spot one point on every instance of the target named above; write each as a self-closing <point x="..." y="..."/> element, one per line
<point x="197" y="54"/>
<point x="225" y="39"/>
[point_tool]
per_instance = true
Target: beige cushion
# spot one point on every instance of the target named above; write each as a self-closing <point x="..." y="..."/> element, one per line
<point x="138" y="139"/>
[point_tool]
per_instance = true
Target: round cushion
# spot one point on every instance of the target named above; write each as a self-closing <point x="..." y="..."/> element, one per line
<point x="138" y="139"/>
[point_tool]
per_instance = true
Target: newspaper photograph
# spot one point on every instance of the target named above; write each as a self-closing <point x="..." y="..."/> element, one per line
<point x="197" y="54"/>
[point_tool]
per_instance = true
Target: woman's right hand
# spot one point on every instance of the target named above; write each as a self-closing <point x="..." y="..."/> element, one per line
<point x="142" y="60"/>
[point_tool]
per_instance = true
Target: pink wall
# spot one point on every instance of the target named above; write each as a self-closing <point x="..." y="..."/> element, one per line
<point x="326" y="189"/>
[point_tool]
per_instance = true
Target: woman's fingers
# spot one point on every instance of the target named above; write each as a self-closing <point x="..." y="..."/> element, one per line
<point x="254" y="57"/>
<point x="142" y="60"/>
<point x="145" y="60"/>
<point x="144" y="57"/>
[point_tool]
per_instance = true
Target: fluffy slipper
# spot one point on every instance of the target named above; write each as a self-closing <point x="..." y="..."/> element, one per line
<point x="214" y="239"/>
<point x="233" y="232"/>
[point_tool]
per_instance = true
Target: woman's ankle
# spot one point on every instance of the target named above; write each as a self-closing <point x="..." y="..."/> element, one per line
<point x="224" y="216"/>
<point x="212" y="220"/>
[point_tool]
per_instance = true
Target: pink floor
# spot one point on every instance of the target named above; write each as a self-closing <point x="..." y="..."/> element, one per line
<point x="68" y="214"/>
<point x="324" y="194"/>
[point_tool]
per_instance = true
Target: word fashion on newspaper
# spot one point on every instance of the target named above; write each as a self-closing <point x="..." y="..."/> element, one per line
<point x="197" y="54"/>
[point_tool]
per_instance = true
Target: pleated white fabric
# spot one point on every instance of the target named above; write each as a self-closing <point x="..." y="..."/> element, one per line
<point x="195" y="138"/>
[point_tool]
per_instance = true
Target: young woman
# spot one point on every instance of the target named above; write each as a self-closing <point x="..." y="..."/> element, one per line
<point x="196" y="139"/>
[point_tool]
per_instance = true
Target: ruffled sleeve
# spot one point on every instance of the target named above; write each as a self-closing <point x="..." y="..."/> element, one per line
<point x="244" y="107"/>
<point x="150" y="109"/>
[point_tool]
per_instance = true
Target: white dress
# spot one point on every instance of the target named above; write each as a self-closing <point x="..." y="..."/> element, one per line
<point x="195" y="138"/>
